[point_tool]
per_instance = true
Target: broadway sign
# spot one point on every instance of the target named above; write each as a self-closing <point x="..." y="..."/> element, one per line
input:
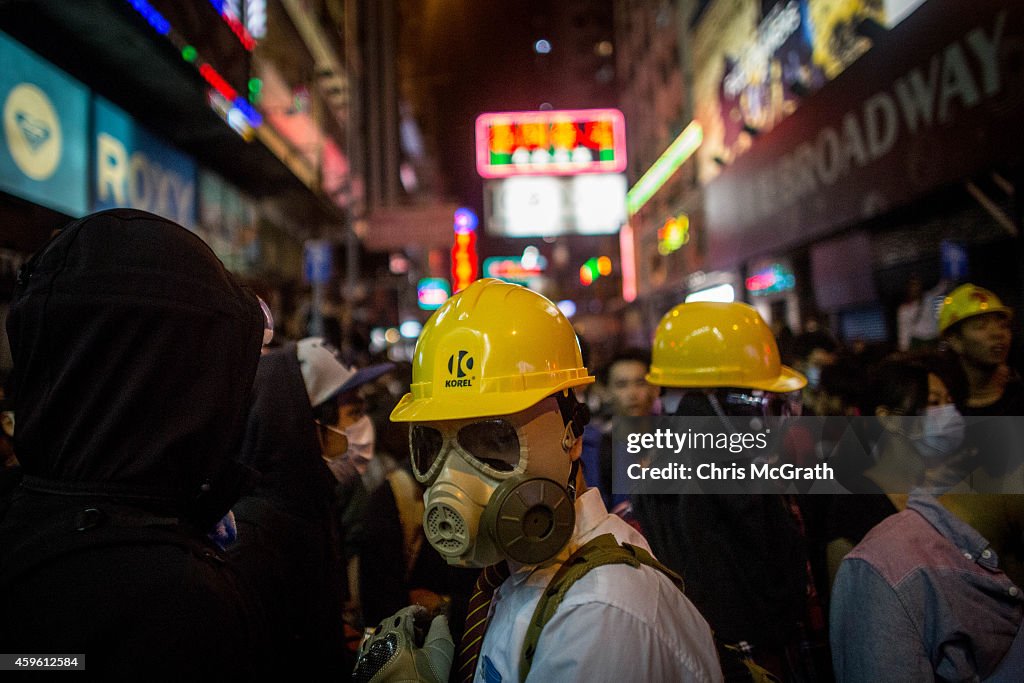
<point x="938" y="98"/>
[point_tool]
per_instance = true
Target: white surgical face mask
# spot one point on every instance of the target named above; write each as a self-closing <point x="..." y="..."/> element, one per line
<point x="942" y="434"/>
<point x="361" y="440"/>
<point x="813" y="374"/>
<point x="348" y="451"/>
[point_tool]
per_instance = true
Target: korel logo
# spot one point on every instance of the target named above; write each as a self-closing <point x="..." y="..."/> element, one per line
<point x="459" y="366"/>
<point x="32" y="131"/>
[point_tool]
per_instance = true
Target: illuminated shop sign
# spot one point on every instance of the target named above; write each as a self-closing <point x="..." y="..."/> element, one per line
<point x="228" y="102"/>
<point x="44" y="150"/>
<point x="465" y="268"/>
<point x="137" y="170"/>
<point x="432" y="292"/>
<point x="550" y="143"/>
<point x="673" y="234"/>
<point x="770" y="280"/>
<point x="595" y="267"/>
<point x="543" y="206"/>
<point x="510" y="269"/>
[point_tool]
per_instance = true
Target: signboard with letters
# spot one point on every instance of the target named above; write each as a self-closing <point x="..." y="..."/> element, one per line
<point x="937" y="101"/>
<point x="563" y="142"/>
<point x="135" y="169"/>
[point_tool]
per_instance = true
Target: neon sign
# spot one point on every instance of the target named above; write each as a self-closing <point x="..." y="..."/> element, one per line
<point x="774" y="278"/>
<point x="510" y="269"/>
<point x="564" y="142"/>
<point x="464" y="259"/>
<point x="667" y="164"/>
<point x="229" y="15"/>
<point x="464" y="268"/>
<point x="595" y="267"/>
<point x="432" y="292"/>
<point x="673" y="234"/>
<point x="237" y="109"/>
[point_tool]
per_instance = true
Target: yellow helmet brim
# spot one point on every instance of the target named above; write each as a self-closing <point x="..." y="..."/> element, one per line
<point x="461" y="407"/>
<point x="788" y="380"/>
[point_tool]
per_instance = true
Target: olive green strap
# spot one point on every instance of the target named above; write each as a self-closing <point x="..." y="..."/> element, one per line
<point x="597" y="552"/>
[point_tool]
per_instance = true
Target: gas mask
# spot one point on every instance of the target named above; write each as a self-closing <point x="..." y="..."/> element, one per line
<point x="739" y="410"/>
<point x="763" y="408"/>
<point x="498" y="487"/>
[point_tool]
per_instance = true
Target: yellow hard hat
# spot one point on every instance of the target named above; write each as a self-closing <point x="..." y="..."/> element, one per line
<point x="707" y="344"/>
<point x="492" y="349"/>
<point x="967" y="301"/>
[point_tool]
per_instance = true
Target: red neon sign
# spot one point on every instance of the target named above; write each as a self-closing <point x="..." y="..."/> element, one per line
<point x="464" y="260"/>
<point x="218" y="82"/>
<point x="563" y="142"/>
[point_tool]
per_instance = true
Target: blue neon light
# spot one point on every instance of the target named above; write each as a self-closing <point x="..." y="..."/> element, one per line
<point x="255" y="120"/>
<point x="163" y="27"/>
<point x="155" y="19"/>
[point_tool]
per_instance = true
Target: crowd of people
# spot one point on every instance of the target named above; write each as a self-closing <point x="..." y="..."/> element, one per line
<point x="184" y="494"/>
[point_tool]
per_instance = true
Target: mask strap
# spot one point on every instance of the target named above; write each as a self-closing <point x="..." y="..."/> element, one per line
<point x="719" y="411"/>
<point x="570" y="487"/>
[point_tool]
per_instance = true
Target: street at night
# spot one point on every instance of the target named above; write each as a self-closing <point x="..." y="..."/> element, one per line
<point x="436" y="340"/>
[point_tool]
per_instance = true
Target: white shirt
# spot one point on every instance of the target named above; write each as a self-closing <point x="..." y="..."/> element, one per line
<point x="617" y="623"/>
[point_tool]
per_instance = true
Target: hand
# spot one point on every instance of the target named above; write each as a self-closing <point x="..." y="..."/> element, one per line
<point x="393" y="653"/>
<point x="429" y="600"/>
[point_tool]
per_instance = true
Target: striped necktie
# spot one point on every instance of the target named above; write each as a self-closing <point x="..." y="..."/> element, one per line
<point x="476" y="620"/>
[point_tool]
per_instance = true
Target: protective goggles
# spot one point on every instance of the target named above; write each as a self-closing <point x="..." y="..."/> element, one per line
<point x="733" y="402"/>
<point x="490" y="445"/>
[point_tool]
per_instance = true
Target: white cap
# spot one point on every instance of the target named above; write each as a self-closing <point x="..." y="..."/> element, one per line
<point x="325" y="376"/>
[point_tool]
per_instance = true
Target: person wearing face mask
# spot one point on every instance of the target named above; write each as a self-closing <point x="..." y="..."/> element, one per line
<point x="742" y="556"/>
<point x="496" y="437"/>
<point x="289" y="539"/>
<point x="917" y="430"/>
<point x="815" y="349"/>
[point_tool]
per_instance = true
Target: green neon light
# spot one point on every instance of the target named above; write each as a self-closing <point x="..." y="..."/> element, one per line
<point x="662" y="169"/>
<point x="188" y="53"/>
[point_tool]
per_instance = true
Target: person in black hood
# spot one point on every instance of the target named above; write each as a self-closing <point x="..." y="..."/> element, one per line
<point x="134" y="355"/>
<point x="289" y="545"/>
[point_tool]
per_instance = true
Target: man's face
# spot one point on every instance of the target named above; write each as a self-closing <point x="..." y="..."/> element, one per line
<point x="983" y="340"/>
<point x="631" y="395"/>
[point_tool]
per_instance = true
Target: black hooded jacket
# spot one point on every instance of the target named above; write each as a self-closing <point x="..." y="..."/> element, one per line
<point x="288" y="541"/>
<point x="134" y="353"/>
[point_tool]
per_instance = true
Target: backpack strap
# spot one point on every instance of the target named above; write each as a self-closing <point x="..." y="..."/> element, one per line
<point x="409" y="502"/>
<point x="597" y="552"/>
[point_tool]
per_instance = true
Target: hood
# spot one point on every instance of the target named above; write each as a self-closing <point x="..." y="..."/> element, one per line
<point x="280" y="437"/>
<point x="134" y="354"/>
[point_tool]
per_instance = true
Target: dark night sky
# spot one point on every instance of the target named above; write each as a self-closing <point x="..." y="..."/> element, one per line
<point x="478" y="57"/>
